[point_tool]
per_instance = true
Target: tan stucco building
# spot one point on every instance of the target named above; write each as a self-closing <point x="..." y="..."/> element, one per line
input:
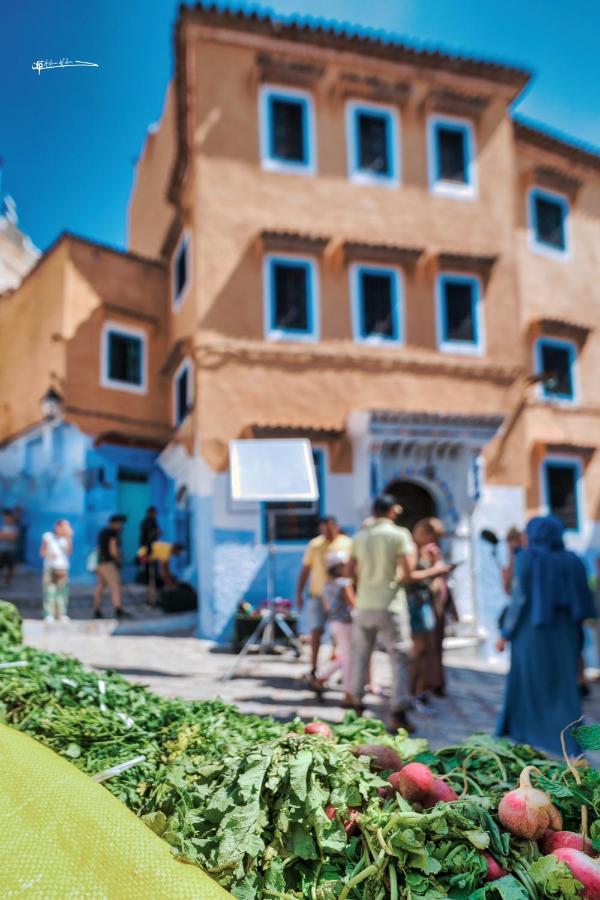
<point x="361" y="246"/>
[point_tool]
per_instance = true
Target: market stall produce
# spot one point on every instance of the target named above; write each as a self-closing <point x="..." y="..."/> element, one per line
<point x="328" y="813"/>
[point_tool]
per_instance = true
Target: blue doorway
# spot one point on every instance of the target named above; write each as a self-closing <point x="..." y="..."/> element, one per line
<point x="133" y="499"/>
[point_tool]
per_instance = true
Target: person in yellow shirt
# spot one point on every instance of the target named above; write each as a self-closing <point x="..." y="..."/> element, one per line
<point x="314" y="572"/>
<point x="161" y="553"/>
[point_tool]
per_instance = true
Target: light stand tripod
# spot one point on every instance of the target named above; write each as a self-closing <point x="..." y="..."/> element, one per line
<point x="265" y="632"/>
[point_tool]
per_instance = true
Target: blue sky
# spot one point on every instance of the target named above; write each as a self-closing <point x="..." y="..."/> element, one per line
<point x="69" y="137"/>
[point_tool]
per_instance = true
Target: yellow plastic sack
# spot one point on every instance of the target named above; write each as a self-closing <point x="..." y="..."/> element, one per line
<point x="65" y="837"/>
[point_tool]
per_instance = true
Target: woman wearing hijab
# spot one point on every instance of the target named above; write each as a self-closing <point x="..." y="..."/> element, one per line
<point x="550" y="600"/>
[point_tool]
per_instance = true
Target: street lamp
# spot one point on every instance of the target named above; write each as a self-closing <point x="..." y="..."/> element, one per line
<point x="52" y="405"/>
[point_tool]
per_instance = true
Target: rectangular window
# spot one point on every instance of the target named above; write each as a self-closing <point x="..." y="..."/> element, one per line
<point x="556" y="360"/>
<point x="182" y="392"/>
<point x="286" y="130"/>
<point x="561" y="481"/>
<point x="459" y="314"/>
<point x="290" y="300"/>
<point x="123" y="358"/>
<point x="376" y="304"/>
<point x="548" y="222"/>
<point x="451" y="157"/>
<point x="372" y="134"/>
<point x="297" y="522"/>
<point x="180" y="269"/>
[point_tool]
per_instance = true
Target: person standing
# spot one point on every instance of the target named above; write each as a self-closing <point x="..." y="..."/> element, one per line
<point x="550" y="600"/>
<point x="20" y="522"/>
<point x="9" y="536"/>
<point x="149" y="533"/>
<point x="338" y="600"/>
<point x="108" y="573"/>
<point x="383" y="553"/>
<point x="314" y="572"/>
<point x="55" y="550"/>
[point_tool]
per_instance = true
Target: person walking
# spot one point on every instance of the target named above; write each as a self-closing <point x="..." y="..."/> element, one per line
<point x="108" y="572"/>
<point x="383" y="553"/>
<point x="314" y="572"/>
<point x="149" y="533"/>
<point x="9" y="536"/>
<point x="550" y="600"/>
<point x="55" y="550"/>
<point x="338" y="601"/>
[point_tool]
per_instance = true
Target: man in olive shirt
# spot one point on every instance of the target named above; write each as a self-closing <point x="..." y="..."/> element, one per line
<point x="383" y="553"/>
<point x="314" y="571"/>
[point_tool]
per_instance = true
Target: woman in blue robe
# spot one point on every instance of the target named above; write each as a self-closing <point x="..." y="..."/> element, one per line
<point x="549" y="602"/>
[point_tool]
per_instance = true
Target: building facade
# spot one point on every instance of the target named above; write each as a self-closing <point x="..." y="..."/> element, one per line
<point x="357" y="245"/>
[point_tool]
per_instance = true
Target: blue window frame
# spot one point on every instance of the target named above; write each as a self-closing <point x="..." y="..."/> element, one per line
<point x="180" y="269"/>
<point x="298" y="522"/>
<point x="123" y="358"/>
<point x="459" y="317"/>
<point x="451" y="157"/>
<point x="561" y="481"/>
<point x="376" y="296"/>
<point x="286" y="120"/>
<point x="372" y="135"/>
<point x="182" y="392"/>
<point x="548" y="223"/>
<point x="556" y="359"/>
<point x="291" y="303"/>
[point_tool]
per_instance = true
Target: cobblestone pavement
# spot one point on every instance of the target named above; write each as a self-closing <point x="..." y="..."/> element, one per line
<point x="271" y="685"/>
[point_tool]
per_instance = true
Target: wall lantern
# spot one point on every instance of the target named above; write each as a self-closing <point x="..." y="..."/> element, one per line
<point x="52" y="405"/>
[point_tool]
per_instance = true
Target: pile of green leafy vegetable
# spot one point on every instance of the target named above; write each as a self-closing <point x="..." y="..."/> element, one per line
<point x="11" y="626"/>
<point x="271" y="812"/>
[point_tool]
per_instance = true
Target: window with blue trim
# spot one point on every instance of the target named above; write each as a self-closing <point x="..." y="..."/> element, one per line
<point x="556" y="361"/>
<point x="180" y="270"/>
<point x="124" y="362"/>
<point x="286" y="129"/>
<point x="452" y="157"/>
<point x="458" y="312"/>
<point x="376" y="302"/>
<point x="561" y="480"/>
<point x="297" y="522"/>
<point x="290" y="297"/>
<point x="372" y="144"/>
<point x="182" y="390"/>
<point x="548" y="220"/>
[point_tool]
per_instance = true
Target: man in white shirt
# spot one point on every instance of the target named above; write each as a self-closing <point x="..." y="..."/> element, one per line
<point x="57" y="546"/>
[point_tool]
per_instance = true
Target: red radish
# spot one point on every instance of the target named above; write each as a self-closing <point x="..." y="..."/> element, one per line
<point x="527" y="812"/>
<point x="556" y="840"/>
<point x="382" y="757"/>
<point x="441" y="792"/>
<point x="414" y="781"/>
<point x="494" y="869"/>
<point x="385" y="792"/>
<point x="330" y="812"/>
<point x="584" y="869"/>
<point x="319" y="728"/>
<point x="350" y="821"/>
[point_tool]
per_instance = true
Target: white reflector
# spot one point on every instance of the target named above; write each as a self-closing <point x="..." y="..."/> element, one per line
<point x="275" y="470"/>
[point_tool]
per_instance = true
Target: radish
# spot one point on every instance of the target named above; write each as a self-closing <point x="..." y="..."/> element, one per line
<point x="414" y="781"/>
<point x="319" y="728"/>
<point x="385" y="792"/>
<point x="494" y="869"/>
<point x="439" y="793"/>
<point x="527" y="812"/>
<point x="584" y="869"/>
<point x="556" y="840"/>
<point x="349" y="819"/>
<point x="330" y="812"/>
<point x="382" y="757"/>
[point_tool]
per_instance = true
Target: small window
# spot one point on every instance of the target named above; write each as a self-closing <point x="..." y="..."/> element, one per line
<point x="372" y="143"/>
<point x="458" y="314"/>
<point x="451" y="157"/>
<point x="556" y="360"/>
<point x="123" y="358"/>
<point x="548" y="215"/>
<point x="560" y="483"/>
<point x="182" y="392"/>
<point x="290" y="300"/>
<point x="286" y="120"/>
<point x="297" y="522"/>
<point x="376" y="304"/>
<point x="180" y="270"/>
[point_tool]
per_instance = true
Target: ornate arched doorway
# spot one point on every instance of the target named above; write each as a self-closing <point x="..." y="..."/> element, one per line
<point x="415" y="500"/>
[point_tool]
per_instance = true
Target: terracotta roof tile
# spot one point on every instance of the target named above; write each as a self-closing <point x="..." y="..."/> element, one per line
<point x="556" y="142"/>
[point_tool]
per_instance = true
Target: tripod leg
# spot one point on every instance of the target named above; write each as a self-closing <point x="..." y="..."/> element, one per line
<point x="253" y="639"/>
<point x="285" y="628"/>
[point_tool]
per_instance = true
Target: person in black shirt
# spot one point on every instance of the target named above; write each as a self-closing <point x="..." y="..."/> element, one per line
<point x="108" y="573"/>
<point x="149" y="530"/>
